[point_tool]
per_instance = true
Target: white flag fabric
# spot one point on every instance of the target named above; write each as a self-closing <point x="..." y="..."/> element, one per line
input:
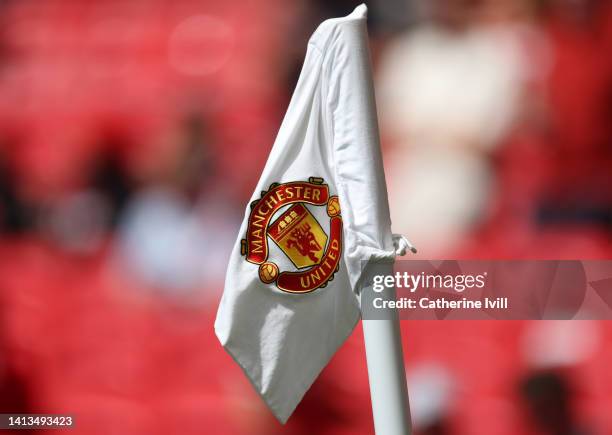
<point x="319" y="210"/>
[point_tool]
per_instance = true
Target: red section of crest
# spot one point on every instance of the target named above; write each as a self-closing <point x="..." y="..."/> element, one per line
<point x="319" y="275"/>
<point x="270" y="203"/>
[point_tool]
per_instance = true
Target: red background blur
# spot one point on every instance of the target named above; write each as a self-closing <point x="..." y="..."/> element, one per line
<point x="133" y="132"/>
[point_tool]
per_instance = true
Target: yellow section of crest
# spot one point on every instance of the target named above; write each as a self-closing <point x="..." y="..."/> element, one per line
<point x="304" y="241"/>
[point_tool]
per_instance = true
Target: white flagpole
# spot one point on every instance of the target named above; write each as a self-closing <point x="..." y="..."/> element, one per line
<point x="386" y="372"/>
<point x="387" y="376"/>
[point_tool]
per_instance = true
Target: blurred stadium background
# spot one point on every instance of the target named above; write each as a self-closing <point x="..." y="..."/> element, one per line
<point x="132" y="133"/>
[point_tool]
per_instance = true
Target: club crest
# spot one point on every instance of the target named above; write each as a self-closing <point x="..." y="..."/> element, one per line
<point x="314" y="254"/>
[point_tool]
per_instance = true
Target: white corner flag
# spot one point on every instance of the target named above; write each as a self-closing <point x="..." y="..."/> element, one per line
<point x="319" y="210"/>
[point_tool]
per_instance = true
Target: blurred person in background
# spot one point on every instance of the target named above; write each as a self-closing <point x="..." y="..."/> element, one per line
<point x="15" y="214"/>
<point x="547" y="398"/>
<point x="573" y="135"/>
<point x="556" y="354"/>
<point x="178" y="229"/>
<point x="555" y="166"/>
<point x="81" y="219"/>
<point x="449" y="91"/>
<point x="431" y="388"/>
